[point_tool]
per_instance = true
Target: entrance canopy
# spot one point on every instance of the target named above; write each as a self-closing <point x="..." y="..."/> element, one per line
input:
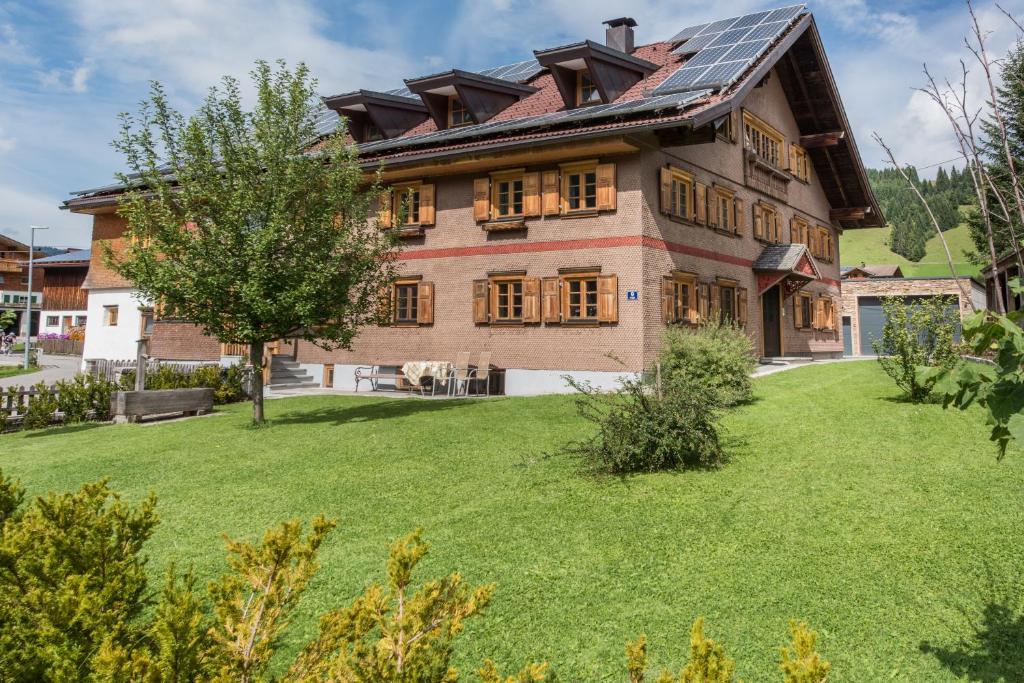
<point x="789" y="265"/>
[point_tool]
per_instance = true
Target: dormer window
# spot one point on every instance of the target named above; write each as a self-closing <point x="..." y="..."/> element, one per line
<point x="458" y="115"/>
<point x="371" y="133"/>
<point x="377" y="115"/>
<point x="586" y="91"/>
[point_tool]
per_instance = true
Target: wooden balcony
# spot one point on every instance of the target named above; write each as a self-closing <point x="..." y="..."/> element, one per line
<point x="762" y="176"/>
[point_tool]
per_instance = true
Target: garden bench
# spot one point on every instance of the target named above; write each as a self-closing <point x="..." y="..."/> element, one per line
<point x="373" y="374"/>
<point x="132" y="406"/>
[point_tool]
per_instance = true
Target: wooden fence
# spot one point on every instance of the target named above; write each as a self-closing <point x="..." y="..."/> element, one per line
<point x="62" y="347"/>
<point x="112" y="370"/>
<point x="14" y="405"/>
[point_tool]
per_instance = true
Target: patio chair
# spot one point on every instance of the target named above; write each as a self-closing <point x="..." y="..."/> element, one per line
<point x="458" y="378"/>
<point x="481" y="373"/>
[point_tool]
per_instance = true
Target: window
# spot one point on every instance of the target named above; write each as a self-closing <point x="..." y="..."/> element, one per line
<point x="24" y="280"/>
<point x="407" y="204"/>
<point x="52" y="320"/>
<point x="1" y="279"/>
<point x="508" y="300"/>
<point x="828" y="320"/>
<point x="579" y="188"/>
<point x="411" y="302"/>
<point x="725" y="128"/>
<point x="586" y="91"/>
<point x="800" y="232"/>
<point x="507" y="196"/>
<point x="406" y="299"/>
<point x="371" y="132"/>
<point x="110" y="316"/>
<point x="681" y="205"/>
<point x="679" y="298"/>
<point x="458" y="115"/>
<point x="580" y="298"/>
<point x="146" y="320"/>
<point x="766" y="223"/>
<point x="803" y="311"/>
<point x="763" y="140"/>
<point x="825" y="246"/>
<point x="799" y="165"/>
<point x="727" y="303"/>
<point x="722" y="212"/>
<point x="80" y="320"/>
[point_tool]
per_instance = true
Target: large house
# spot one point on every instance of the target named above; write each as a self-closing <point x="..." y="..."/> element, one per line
<point x="561" y="211"/>
<point x="64" y="300"/>
<point x="14" y="294"/>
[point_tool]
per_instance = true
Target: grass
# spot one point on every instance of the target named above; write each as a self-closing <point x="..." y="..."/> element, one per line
<point x="870" y="246"/>
<point x="15" y="370"/>
<point x="890" y="527"/>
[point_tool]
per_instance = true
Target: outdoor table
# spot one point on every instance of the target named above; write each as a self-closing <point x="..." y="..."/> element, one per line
<point x="416" y="370"/>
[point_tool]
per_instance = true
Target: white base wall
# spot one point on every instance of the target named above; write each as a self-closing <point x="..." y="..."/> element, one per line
<point x="44" y="328"/>
<point x="117" y="342"/>
<point x="537" y="382"/>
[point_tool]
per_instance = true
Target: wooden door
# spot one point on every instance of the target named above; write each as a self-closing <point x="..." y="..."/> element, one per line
<point x="771" y="319"/>
<point x="65" y="324"/>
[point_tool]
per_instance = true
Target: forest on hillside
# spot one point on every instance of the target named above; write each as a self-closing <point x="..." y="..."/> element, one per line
<point x="911" y="226"/>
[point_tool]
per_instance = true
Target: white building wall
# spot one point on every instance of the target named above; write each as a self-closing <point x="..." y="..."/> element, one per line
<point x="44" y="328"/>
<point x="108" y="342"/>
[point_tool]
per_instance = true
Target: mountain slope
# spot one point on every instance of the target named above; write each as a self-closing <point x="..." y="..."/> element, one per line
<point x="870" y="245"/>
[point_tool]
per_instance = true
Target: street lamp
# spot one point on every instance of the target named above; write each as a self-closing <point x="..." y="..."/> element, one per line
<point x="28" y="304"/>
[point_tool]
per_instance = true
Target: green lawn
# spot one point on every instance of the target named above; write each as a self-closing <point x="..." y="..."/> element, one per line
<point x="14" y="370"/>
<point x="870" y="246"/>
<point x="890" y="527"/>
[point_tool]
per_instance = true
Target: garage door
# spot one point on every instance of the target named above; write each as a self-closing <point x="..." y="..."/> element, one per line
<point x="872" y="320"/>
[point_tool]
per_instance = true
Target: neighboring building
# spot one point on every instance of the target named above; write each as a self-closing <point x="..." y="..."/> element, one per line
<point x="14" y="293"/>
<point x="64" y="304"/>
<point x="865" y="271"/>
<point x="563" y="210"/>
<point x="1008" y="268"/>
<point x="863" y="317"/>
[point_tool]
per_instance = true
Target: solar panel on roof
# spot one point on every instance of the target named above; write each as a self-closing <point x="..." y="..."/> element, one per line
<point x="516" y="73"/>
<point x="687" y="33"/>
<point x="743" y="51"/>
<point x="723" y="50"/>
<point x="696" y="44"/>
<point x="750" y="20"/>
<point x="730" y="37"/>
<point x="708" y="56"/>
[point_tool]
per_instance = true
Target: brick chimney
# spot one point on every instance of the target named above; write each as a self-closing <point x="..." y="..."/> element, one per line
<point x="619" y="34"/>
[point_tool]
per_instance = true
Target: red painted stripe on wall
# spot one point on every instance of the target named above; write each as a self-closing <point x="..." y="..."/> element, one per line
<point x="573" y="245"/>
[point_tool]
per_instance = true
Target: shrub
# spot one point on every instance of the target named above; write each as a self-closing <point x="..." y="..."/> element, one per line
<point x="915" y="335"/>
<point x="84" y="397"/>
<point x="41" y="409"/>
<point x="801" y="662"/>
<point x="226" y="382"/>
<point x="642" y="428"/>
<point x="717" y="356"/>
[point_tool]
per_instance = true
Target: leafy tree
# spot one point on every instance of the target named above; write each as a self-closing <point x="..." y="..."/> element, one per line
<point x="999" y="389"/>
<point x="915" y="335"/>
<point x="7" y="320"/>
<point x="236" y="222"/>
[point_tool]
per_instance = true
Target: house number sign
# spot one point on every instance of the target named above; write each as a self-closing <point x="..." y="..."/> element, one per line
<point x="632" y="295"/>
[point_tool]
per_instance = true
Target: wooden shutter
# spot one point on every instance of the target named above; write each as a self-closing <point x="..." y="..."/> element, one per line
<point x="793" y="165"/>
<point x="531" y="194"/>
<point x="798" y="311"/>
<point x="794" y="230"/>
<point x="694" y="312"/>
<point x="386" y="304"/>
<point x="741" y="306"/>
<point x="716" y="302"/>
<point x="531" y="300"/>
<point x="668" y="293"/>
<point x="480" y="288"/>
<point x="426" y="204"/>
<point x="832" y="314"/>
<point x="819" y="314"/>
<point x="384" y="212"/>
<point x="550" y="304"/>
<point x="481" y="199"/>
<point x="607" y="298"/>
<point x="551" y="205"/>
<point x="700" y="203"/>
<point x="606" y="187"/>
<point x="425" y="303"/>
<point x="758" y="222"/>
<point x="713" y="208"/>
<point x="739" y="217"/>
<point x="666" y="190"/>
<point x="703" y="302"/>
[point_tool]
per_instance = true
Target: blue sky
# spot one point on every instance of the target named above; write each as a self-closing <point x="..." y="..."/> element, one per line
<point x="68" y="69"/>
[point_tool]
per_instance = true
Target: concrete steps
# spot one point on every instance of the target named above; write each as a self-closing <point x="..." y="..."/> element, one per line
<point x="285" y="373"/>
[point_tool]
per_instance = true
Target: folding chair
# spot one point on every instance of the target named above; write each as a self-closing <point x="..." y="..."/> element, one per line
<point x="482" y="373"/>
<point x="458" y="378"/>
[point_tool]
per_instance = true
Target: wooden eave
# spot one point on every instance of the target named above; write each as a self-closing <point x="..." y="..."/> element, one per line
<point x="391" y="114"/>
<point x="613" y="72"/>
<point x="482" y="96"/>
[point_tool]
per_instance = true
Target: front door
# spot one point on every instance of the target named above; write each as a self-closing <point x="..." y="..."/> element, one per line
<point x="770" y="319"/>
<point x="66" y="324"/>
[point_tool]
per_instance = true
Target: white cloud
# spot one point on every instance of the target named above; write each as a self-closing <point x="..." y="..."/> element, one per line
<point x="74" y="80"/>
<point x="21" y="209"/>
<point x="190" y="45"/>
<point x="80" y="78"/>
<point x="12" y="50"/>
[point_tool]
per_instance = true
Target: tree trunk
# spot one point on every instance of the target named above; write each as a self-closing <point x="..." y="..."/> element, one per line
<point x="256" y="360"/>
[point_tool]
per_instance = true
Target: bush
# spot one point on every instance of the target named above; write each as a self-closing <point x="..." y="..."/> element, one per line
<point x="915" y="335"/>
<point x="225" y="382"/>
<point x="642" y="428"/>
<point x="41" y="410"/>
<point x="717" y="356"/>
<point x="84" y="397"/>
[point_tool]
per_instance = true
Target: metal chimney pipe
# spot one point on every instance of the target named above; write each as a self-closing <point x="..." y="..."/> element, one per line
<point x="619" y="34"/>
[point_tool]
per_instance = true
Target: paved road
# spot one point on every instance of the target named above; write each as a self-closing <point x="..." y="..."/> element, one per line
<point x="53" y="368"/>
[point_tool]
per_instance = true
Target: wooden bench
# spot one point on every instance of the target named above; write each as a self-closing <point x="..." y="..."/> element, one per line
<point x="132" y="406"/>
<point x="373" y="374"/>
